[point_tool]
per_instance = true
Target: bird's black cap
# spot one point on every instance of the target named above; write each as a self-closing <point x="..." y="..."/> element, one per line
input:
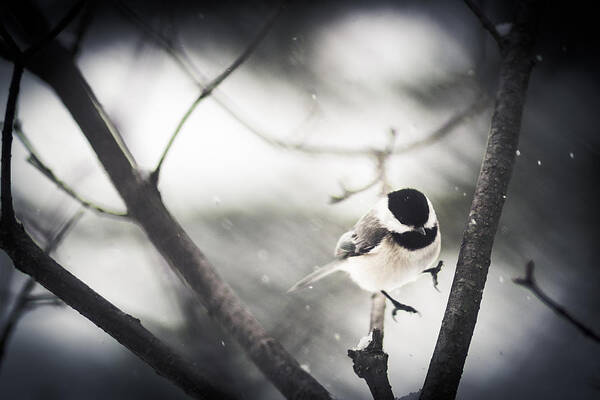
<point x="409" y="206"/>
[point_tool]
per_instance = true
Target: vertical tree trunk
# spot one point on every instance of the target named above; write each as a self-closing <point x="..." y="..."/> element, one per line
<point x="448" y="360"/>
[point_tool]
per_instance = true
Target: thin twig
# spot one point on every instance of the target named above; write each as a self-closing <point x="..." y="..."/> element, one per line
<point x="15" y="315"/>
<point x="381" y="159"/>
<point x="145" y="205"/>
<point x="128" y="330"/>
<point x="487" y="24"/>
<point x="54" y="32"/>
<point x="216" y="82"/>
<point x="35" y="160"/>
<point x="529" y="282"/>
<point x="178" y="55"/>
<point x="347" y="193"/>
<point x="8" y="213"/>
<point x="24" y="301"/>
<point x="82" y="28"/>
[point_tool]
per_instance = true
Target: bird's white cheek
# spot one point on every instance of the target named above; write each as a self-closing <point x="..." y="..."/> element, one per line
<point x="388" y="220"/>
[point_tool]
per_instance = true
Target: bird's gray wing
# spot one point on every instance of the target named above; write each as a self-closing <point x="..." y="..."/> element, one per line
<point x="364" y="237"/>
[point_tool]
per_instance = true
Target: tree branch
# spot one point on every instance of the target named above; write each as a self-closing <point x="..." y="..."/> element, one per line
<point x="178" y="55"/>
<point x="529" y="282"/>
<point x="35" y="160"/>
<point x="487" y="24"/>
<point x="8" y="213"/>
<point x="55" y="66"/>
<point x="453" y="342"/>
<point x="370" y="363"/>
<point x="208" y="89"/>
<point x="128" y="331"/>
<point x="23" y="301"/>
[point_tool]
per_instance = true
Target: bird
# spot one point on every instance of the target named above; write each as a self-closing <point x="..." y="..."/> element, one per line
<point x="395" y="242"/>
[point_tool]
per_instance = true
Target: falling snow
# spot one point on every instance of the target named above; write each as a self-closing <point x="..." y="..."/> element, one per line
<point x="504" y="28"/>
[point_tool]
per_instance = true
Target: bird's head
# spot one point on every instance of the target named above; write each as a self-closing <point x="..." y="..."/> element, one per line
<point x="407" y="210"/>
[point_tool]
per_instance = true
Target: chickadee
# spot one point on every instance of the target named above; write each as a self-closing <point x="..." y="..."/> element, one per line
<point x="390" y="246"/>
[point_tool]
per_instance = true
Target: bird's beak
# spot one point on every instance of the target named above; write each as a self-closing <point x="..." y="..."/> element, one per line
<point x="421" y="230"/>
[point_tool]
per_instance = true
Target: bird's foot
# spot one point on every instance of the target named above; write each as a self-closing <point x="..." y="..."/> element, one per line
<point x="399" y="306"/>
<point x="434" y="274"/>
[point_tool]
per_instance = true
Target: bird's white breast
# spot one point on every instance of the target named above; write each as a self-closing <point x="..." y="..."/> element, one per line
<point x="390" y="266"/>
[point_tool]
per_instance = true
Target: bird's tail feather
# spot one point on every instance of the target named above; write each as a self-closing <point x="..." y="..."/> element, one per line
<point x="316" y="275"/>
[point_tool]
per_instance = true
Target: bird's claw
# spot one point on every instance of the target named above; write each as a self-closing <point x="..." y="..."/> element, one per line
<point x="434" y="274"/>
<point x="399" y="306"/>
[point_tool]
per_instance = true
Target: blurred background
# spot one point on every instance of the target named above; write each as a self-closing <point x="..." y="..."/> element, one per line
<point x="336" y="77"/>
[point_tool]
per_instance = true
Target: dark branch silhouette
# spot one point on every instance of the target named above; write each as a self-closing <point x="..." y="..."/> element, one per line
<point x="370" y="363"/>
<point x="459" y="321"/>
<point x="35" y="160"/>
<point x="208" y="89"/>
<point x="31" y="260"/>
<point x="487" y="24"/>
<point x="529" y="282"/>
<point x="55" y="66"/>
<point x="23" y="300"/>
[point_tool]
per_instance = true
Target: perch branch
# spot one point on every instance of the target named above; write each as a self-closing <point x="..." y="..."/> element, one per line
<point x="487" y="24"/>
<point x="55" y="66"/>
<point x="370" y="363"/>
<point x="208" y="89"/>
<point x="35" y="160"/>
<point x="529" y="282"/>
<point x="460" y="317"/>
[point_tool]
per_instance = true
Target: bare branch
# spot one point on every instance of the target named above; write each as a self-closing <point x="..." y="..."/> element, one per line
<point x="178" y="55"/>
<point x="82" y="28"/>
<point x="35" y="160"/>
<point x="487" y="24"/>
<point x="145" y="206"/>
<point x="24" y="301"/>
<point x="8" y="212"/>
<point x="13" y="317"/>
<point x="127" y="330"/>
<point x="7" y="216"/>
<point x="529" y="282"/>
<point x="459" y="321"/>
<point x="370" y="363"/>
<point x="54" y="32"/>
<point x="208" y="89"/>
<point x="347" y="193"/>
<point x="479" y="105"/>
